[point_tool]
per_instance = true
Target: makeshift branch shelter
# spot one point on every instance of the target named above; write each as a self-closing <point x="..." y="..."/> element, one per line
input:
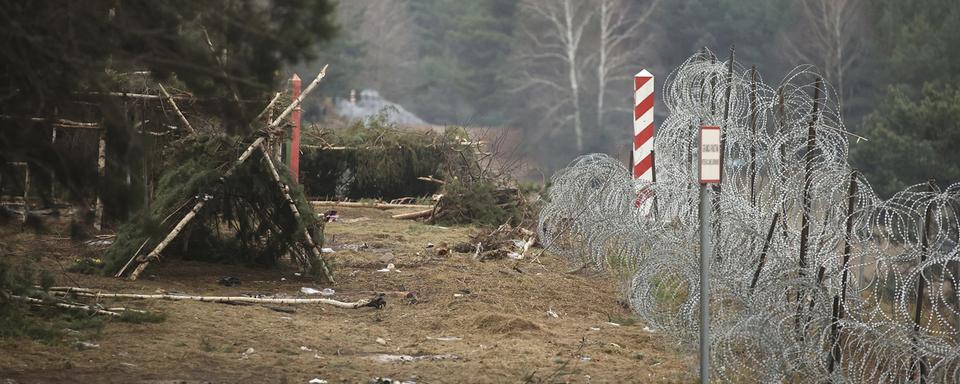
<point x="223" y="198"/>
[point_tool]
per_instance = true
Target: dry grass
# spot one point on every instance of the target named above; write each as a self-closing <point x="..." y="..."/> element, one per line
<point x="496" y="314"/>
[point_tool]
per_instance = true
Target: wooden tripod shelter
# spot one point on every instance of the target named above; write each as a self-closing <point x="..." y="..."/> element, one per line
<point x="141" y="261"/>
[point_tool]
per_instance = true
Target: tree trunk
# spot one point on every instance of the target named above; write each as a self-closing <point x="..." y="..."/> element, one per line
<point x="101" y="171"/>
<point x="571" y="47"/>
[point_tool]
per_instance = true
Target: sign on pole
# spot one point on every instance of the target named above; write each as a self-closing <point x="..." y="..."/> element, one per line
<point x="710" y="155"/>
<point x="711" y="172"/>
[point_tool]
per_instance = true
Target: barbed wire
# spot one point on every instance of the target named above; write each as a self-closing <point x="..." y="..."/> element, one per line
<point x="815" y="277"/>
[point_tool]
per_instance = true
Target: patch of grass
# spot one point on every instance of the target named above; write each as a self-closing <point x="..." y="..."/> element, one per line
<point x="206" y="345"/>
<point x="141" y="317"/>
<point x="415" y="229"/>
<point x="83" y="322"/>
<point x="87" y="266"/>
<point x="285" y="351"/>
<point x="624" y="320"/>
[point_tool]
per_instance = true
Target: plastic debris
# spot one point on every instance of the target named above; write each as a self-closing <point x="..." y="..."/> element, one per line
<point x="387" y="358"/>
<point x="553" y="314"/>
<point x="326" y="250"/>
<point x="445" y="338"/>
<point x="84" y="345"/>
<point x="309" y="291"/>
<point x="327" y="292"/>
<point x="390" y="267"/>
<point x="317" y="381"/>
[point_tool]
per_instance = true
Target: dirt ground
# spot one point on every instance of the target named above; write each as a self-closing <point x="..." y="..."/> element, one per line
<point x="472" y="322"/>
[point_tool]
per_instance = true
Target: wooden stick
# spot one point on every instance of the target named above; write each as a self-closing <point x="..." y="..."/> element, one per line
<point x="176" y="109"/>
<point x="763" y="252"/>
<point x="58" y="123"/>
<point x="296" y="213"/>
<point x="129" y="95"/>
<point x="65" y="305"/>
<point x="839" y="301"/>
<point x="132" y="258"/>
<point x="918" y="361"/>
<point x="358" y="204"/>
<point x="269" y="105"/>
<point x="414" y="215"/>
<point x="806" y="203"/>
<point x="231" y="299"/>
<point x="296" y="103"/>
<point x="155" y="254"/>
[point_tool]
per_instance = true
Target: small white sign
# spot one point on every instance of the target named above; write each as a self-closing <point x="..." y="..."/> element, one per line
<point x="711" y="161"/>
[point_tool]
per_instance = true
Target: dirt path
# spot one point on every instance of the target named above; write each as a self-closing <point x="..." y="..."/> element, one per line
<point x="477" y="322"/>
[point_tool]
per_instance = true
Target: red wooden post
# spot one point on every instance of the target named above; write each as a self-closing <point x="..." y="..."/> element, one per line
<point x="295" y="134"/>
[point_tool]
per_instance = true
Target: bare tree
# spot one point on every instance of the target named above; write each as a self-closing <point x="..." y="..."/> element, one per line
<point x="829" y="35"/>
<point x="553" y="63"/>
<point x="616" y="28"/>
<point x="386" y="28"/>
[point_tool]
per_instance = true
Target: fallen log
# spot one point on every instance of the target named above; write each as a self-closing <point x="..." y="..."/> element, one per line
<point x="374" y="302"/>
<point x="431" y="179"/>
<point x="414" y="215"/>
<point x="357" y="204"/>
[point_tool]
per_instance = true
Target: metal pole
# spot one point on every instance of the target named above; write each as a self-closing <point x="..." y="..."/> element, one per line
<point x="706" y="250"/>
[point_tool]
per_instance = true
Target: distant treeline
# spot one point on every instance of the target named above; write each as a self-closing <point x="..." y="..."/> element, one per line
<point x="554" y="68"/>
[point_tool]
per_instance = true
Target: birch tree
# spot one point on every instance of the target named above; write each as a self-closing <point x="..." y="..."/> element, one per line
<point x="616" y="28"/>
<point x="831" y="36"/>
<point x="553" y="62"/>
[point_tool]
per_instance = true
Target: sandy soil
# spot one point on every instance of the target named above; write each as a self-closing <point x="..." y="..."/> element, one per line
<point x="476" y="322"/>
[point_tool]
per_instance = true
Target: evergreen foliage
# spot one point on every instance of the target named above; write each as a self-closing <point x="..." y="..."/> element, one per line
<point x="913" y="140"/>
<point x="245" y="220"/>
<point x="56" y="53"/>
<point x="913" y="131"/>
<point x="381" y="161"/>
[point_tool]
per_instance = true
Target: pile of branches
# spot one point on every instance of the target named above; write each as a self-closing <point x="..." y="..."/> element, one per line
<point x="469" y="178"/>
<point x="379" y="160"/>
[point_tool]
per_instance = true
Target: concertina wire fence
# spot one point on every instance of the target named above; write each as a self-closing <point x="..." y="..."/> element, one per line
<point x="815" y="278"/>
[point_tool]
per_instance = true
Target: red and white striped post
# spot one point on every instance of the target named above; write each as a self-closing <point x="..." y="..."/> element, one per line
<point x="643" y="165"/>
<point x="294" y="165"/>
